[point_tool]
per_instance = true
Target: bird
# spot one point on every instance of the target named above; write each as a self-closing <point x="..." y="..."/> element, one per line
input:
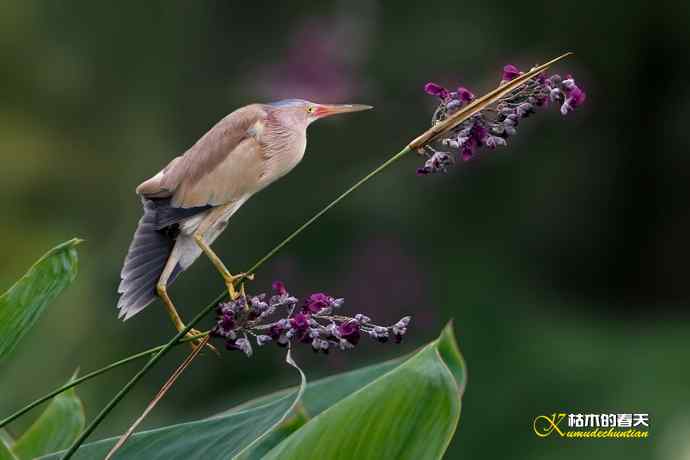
<point x="189" y="203"/>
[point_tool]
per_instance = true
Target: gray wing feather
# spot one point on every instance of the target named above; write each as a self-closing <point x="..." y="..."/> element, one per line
<point x="149" y="252"/>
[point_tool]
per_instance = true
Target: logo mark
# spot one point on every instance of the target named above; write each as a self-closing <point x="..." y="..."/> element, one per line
<point x="544" y="425"/>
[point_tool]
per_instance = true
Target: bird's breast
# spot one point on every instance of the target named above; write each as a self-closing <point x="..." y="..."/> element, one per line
<point x="282" y="151"/>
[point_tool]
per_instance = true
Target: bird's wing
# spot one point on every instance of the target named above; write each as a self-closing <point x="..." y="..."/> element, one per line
<point x="219" y="168"/>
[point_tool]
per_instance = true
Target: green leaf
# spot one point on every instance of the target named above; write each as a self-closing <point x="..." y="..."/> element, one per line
<point x="323" y="393"/>
<point x="294" y="422"/>
<point x="56" y="428"/>
<point x="24" y="302"/>
<point x="450" y="352"/>
<point x="318" y="396"/>
<point x="411" y="412"/>
<point x="221" y="437"/>
<point x="6" y="443"/>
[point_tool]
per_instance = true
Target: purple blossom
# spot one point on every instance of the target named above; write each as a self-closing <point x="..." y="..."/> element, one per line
<point x="575" y="98"/>
<point x="399" y="329"/>
<point x="245" y="346"/>
<point x="319" y="301"/>
<point x="224" y="326"/>
<point x="263" y="339"/>
<point x="241" y="344"/>
<point x="379" y="333"/>
<point x="464" y="94"/>
<point x="510" y="72"/>
<point x="276" y="330"/>
<point x="279" y="287"/>
<point x="320" y="345"/>
<point x="495" y="124"/>
<point x="362" y="319"/>
<point x="257" y="307"/>
<point x="437" y="161"/>
<point x="436" y="90"/>
<point x="314" y="323"/>
<point x="350" y="332"/>
<point x="300" y="322"/>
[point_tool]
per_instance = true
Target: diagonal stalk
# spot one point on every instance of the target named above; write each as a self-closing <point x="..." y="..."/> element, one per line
<point x="428" y="136"/>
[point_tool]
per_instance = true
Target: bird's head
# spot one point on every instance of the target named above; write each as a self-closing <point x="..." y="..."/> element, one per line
<point x="299" y="113"/>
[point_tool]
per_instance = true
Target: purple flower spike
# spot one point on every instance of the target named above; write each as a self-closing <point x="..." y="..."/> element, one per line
<point x="464" y="94"/>
<point x="510" y="72"/>
<point x="495" y="124"/>
<point x="436" y="90"/>
<point x="251" y="318"/>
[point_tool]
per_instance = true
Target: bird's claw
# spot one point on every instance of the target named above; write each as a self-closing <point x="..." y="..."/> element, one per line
<point x="195" y="343"/>
<point x="231" y="283"/>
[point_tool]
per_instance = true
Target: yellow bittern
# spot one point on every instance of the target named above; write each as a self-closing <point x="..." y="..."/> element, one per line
<point x="189" y="203"/>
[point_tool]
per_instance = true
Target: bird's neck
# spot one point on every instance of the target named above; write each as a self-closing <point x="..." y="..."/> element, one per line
<point x="283" y="148"/>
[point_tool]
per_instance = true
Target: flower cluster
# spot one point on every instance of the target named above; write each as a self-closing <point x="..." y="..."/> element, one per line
<point x="283" y="319"/>
<point x="495" y="124"/>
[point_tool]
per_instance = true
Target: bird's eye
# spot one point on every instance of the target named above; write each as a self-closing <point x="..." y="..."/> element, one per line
<point x="310" y="109"/>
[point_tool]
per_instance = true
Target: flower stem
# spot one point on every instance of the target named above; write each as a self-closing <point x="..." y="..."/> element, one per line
<point x="84" y="378"/>
<point x="165" y="348"/>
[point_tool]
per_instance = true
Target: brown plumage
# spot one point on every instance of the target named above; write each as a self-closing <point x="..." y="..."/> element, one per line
<point x="188" y="203"/>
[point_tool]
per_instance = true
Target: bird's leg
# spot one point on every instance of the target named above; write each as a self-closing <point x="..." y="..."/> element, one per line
<point x="230" y="280"/>
<point x="161" y="289"/>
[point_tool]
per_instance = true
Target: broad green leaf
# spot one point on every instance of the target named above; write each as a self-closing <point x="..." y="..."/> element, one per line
<point x="56" y="428"/>
<point x="24" y="302"/>
<point x="221" y="437"/>
<point x="318" y="396"/>
<point x="321" y="394"/>
<point x="291" y="424"/>
<point x="411" y="412"/>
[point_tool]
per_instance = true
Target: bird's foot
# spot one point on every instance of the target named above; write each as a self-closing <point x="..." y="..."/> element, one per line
<point x="197" y="342"/>
<point x="231" y="283"/>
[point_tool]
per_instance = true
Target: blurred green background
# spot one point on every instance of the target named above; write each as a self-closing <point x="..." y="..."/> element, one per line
<point x="562" y="259"/>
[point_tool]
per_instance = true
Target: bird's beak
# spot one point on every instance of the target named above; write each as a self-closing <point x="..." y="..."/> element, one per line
<point x="326" y="110"/>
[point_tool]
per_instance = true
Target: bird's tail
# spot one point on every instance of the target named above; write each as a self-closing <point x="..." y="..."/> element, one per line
<point x="144" y="264"/>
